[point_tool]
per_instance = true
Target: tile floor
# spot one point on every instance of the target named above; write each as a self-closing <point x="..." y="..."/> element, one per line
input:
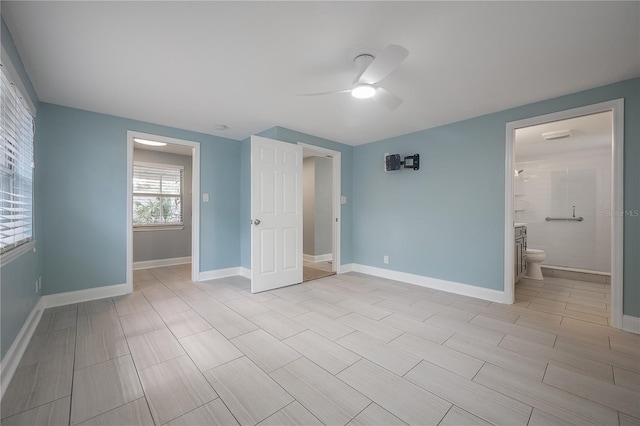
<point x="347" y="349"/>
<point x="315" y="270"/>
<point x="323" y="266"/>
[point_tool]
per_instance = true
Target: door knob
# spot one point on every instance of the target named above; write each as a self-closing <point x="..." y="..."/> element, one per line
<point x="256" y="222"/>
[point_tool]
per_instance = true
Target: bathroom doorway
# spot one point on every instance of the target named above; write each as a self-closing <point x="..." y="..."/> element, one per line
<point x="163" y="209"/>
<point x="564" y="186"/>
<point x="321" y="205"/>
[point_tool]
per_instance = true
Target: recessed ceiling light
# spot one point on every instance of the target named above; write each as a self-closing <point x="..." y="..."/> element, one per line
<point x="148" y="142"/>
<point x="363" y="91"/>
<point x="557" y="135"/>
<point x="221" y="127"/>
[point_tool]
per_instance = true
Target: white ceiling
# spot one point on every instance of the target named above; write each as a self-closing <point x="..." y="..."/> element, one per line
<point x="193" y="65"/>
<point x="588" y="132"/>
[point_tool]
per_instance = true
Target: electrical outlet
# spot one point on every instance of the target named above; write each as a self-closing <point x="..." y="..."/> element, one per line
<point x="36" y="286"/>
<point x="386" y="259"/>
<point x="39" y="284"/>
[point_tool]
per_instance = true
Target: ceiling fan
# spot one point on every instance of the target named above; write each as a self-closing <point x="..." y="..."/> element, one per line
<point x="371" y="70"/>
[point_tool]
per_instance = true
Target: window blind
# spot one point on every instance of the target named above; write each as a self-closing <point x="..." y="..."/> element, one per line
<point x="16" y="168"/>
<point x="157" y="194"/>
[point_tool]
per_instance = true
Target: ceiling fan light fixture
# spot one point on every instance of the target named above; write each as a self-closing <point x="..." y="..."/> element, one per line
<point x="148" y="142"/>
<point x="363" y="91"/>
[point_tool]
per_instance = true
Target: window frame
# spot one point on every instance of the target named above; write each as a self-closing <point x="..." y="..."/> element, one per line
<point x="13" y="77"/>
<point x="165" y="226"/>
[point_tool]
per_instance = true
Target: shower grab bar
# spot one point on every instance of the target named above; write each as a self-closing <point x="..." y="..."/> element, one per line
<point x="577" y="219"/>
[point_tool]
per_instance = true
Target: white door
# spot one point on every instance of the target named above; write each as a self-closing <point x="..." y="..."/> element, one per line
<point x="276" y="214"/>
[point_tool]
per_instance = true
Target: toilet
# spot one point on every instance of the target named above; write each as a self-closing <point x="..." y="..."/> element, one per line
<point x="534" y="263"/>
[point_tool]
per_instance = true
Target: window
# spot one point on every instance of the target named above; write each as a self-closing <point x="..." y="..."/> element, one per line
<point x="16" y="168"/>
<point x="157" y="195"/>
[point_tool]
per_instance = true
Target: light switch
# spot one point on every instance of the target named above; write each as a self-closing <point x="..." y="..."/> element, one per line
<point x="205" y="198"/>
<point x="343" y="199"/>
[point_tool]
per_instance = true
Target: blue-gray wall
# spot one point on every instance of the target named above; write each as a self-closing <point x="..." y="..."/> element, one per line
<point x="446" y="220"/>
<point x="292" y="136"/>
<point x="83" y="197"/>
<point x="17" y="279"/>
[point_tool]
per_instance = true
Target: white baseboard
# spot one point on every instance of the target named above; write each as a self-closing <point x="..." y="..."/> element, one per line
<point x="245" y="272"/>
<point x="631" y="324"/>
<point x="317" y="258"/>
<point x="14" y="354"/>
<point x="223" y="273"/>
<point x="343" y="269"/>
<point x="60" y="299"/>
<point x="146" y="264"/>
<point x="435" y="283"/>
<point x="582" y="271"/>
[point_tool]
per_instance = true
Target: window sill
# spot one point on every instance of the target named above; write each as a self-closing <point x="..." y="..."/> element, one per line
<point x="15" y="253"/>
<point x="158" y="228"/>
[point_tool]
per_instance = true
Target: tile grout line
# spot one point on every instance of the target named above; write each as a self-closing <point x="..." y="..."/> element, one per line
<point x="328" y="372"/>
<point x="447" y="413"/>
<point x="126" y="339"/>
<point x="568" y="328"/>
<point x="73" y="364"/>
<point x="186" y="353"/>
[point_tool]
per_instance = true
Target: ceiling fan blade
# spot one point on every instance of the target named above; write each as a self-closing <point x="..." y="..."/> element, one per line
<point x="384" y="64"/>
<point x="387" y="98"/>
<point x="325" y="93"/>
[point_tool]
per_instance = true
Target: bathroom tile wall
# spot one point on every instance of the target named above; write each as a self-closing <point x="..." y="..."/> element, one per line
<point x="550" y="187"/>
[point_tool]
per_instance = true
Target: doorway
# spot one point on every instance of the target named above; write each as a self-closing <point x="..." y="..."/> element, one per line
<point x="163" y="207"/>
<point x="317" y="196"/>
<point x="560" y="203"/>
<point x="277" y="212"/>
<point x="325" y="264"/>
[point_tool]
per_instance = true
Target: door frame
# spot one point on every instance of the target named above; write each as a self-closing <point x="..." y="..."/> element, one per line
<point x="617" y="197"/>
<point x="336" y="157"/>
<point x="195" y="200"/>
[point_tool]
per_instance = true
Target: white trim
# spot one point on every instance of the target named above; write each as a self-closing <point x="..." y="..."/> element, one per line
<point x="435" y="283"/>
<point x="631" y="324"/>
<point x="78" y="296"/>
<point x="617" y="222"/>
<point x="582" y="271"/>
<point x="129" y="248"/>
<point x="617" y="197"/>
<point x="245" y="272"/>
<point x="509" y="215"/>
<point x="153" y="228"/>
<point x="319" y="258"/>
<point x="336" y="156"/>
<point x="158" y="165"/>
<point x="158" y="263"/>
<point x="195" y="200"/>
<point x="14" y="77"/>
<point x="16" y="252"/>
<point x="345" y="269"/>
<point x="13" y="356"/>
<point x="223" y="273"/>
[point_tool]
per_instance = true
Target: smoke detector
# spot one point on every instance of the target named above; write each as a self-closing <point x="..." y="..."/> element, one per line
<point x="561" y="134"/>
